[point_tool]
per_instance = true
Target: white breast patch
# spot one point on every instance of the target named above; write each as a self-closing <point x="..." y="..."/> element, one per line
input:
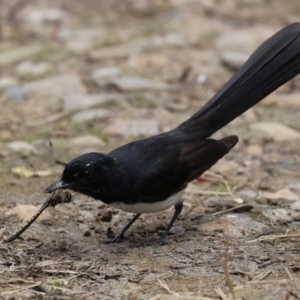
<point x="140" y="208"/>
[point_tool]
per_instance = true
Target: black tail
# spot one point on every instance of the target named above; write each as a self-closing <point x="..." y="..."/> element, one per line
<point x="275" y="62"/>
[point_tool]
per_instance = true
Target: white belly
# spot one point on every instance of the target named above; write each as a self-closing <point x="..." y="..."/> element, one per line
<point x="140" y="208"/>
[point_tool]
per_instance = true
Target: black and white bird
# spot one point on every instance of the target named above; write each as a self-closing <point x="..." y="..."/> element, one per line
<point x="150" y="175"/>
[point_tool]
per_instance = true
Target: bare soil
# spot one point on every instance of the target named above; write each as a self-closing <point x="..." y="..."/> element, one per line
<point x="223" y="246"/>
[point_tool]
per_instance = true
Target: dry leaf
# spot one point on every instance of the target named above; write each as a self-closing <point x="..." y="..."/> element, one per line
<point x="27" y="173"/>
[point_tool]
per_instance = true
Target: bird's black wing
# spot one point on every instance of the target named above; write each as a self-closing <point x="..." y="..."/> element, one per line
<point x="168" y="166"/>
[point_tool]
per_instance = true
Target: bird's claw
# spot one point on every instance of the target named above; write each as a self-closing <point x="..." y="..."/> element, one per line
<point x="118" y="239"/>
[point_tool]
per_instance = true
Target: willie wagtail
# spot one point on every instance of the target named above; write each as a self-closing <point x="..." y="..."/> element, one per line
<point x="151" y="174"/>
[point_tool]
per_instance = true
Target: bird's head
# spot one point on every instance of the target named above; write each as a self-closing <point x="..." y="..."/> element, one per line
<point x="85" y="174"/>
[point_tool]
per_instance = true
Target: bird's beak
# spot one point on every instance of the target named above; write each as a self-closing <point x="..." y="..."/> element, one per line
<point x="57" y="185"/>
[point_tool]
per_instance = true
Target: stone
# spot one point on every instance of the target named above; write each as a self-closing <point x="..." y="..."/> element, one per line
<point x="91" y="114"/>
<point x="136" y="128"/>
<point x="80" y="101"/>
<point x="86" y="140"/>
<point x="276" y="131"/>
<point x="201" y="78"/>
<point x="7" y="82"/>
<point x="241" y="225"/>
<point x="18" y="54"/>
<point x="40" y="16"/>
<point x="127" y="49"/>
<point x="129" y="84"/>
<point x="82" y="40"/>
<point x="108" y="72"/>
<point x="16" y="92"/>
<point x="196" y="31"/>
<point x="22" y="294"/>
<point x="243" y="40"/>
<point x="28" y="68"/>
<point x="176" y="230"/>
<point x="56" y="86"/>
<point x="79" y="46"/>
<point x="174" y="40"/>
<point x="87" y="215"/>
<point x="295" y="205"/>
<point x="225" y="167"/>
<point x="233" y="59"/>
<point x="111" y="52"/>
<point x="280" y="214"/>
<point x="254" y="150"/>
<point x="247" y="193"/>
<point x="177" y="107"/>
<point x="65" y="33"/>
<point x="219" y="202"/>
<point x="233" y="225"/>
<point x="106" y="216"/>
<point x="145" y="61"/>
<point x="21" y="147"/>
<point x="45" y="263"/>
<point x="6" y="135"/>
<point x="283" y="100"/>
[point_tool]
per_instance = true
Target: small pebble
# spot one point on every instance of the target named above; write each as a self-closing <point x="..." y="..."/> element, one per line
<point x="177" y="230"/>
<point x="107" y="72"/>
<point x="28" y="68"/>
<point x="177" y="107"/>
<point x="87" y="233"/>
<point x="22" y="148"/>
<point x="234" y="60"/>
<point x="106" y="217"/>
<point x="16" y="93"/>
<point x="91" y="114"/>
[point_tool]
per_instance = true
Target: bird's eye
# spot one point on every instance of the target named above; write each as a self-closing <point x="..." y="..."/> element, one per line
<point x="85" y="174"/>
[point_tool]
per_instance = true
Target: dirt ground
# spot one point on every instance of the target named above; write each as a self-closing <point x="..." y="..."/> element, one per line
<point x="238" y="236"/>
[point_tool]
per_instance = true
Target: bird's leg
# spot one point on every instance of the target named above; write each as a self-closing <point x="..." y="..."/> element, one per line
<point x="120" y="237"/>
<point x="161" y="240"/>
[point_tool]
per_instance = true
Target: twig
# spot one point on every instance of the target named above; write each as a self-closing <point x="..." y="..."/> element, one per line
<point x="265" y="233"/>
<point x="14" y="280"/>
<point x="288" y="272"/>
<point x="50" y="119"/>
<point x="261" y="276"/>
<point x="227" y="276"/>
<point x="57" y="263"/>
<point x="58" y="288"/>
<point x="282" y="281"/>
<point x="165" y="286"/>
<point x="62" y="272"/>
<point x="222" y="179"/>
<point x="229" y="209"/>
<point x="206" y="192"/>
<point x="220" y="292"/>
<point x="23" y="288"/>
<point x="273" y="237"/>
<point x="209" y="173"/>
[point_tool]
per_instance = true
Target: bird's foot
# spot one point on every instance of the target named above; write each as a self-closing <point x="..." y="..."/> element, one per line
<point x="156" y="243"/>
<point x="118" y="239"/>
